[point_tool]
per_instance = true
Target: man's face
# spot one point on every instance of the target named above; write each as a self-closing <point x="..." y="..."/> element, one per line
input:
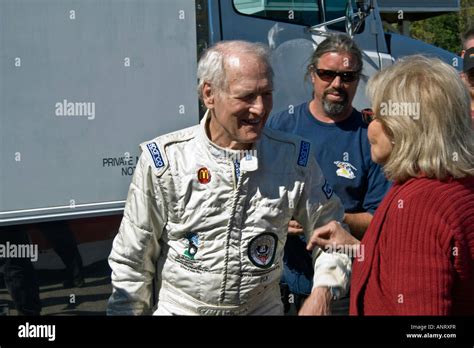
<point x="239" y="113"/>
<point x="335" y="95"/>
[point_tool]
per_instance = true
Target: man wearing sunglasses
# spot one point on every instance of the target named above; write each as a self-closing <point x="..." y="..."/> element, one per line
<point x="339" y="137"/>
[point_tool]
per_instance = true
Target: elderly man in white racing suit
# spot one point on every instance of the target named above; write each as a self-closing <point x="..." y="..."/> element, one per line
<point x="208" y="209"/>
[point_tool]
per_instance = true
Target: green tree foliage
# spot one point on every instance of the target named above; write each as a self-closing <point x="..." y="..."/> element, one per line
<point x="444" y="31"/>
<point x="466" y="15"/>
<point x="441" y="31"/>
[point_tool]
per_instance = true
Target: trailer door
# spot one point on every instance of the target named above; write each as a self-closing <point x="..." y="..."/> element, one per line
<point x="82" y="84"/>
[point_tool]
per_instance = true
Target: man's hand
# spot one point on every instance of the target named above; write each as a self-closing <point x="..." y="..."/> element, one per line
<point x="331" y="234"/>
<point x="318" y="303"/>
<point x="295" y="228"/>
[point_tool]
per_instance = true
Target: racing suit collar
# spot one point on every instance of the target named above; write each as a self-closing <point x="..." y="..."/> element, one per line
<point x="215" y="150"/>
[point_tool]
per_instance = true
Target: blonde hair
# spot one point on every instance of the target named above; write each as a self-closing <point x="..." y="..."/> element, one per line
<point x="424" y="108"/>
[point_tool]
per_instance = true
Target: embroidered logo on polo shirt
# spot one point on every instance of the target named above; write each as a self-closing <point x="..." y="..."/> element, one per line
<point x="345" y="169"/>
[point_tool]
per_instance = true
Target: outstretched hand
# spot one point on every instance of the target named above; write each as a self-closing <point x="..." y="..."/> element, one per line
<point x="331" y="234"/>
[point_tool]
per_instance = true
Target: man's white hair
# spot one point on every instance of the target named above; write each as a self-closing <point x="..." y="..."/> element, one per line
<point x="211" y="66"/>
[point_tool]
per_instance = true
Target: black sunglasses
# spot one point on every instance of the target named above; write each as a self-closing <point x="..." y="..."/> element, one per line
<point x="330" y="75"/>
<point x="367" y="115"/>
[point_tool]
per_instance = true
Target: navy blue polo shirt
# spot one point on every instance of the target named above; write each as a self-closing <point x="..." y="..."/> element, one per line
<point x="342" y="150"/>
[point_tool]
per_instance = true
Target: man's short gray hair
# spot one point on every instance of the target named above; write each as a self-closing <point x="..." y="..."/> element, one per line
<point x="211" y="66"/>
<point x="338" y="43"/>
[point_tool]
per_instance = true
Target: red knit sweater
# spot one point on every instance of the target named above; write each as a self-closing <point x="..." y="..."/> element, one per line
<point x="419" y="252"/>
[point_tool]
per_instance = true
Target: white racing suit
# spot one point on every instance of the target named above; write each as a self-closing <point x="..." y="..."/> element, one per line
<point x="212" y="230"/>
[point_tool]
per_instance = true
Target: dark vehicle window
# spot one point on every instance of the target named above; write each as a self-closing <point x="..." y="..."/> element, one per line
<point x="304" y="12"/>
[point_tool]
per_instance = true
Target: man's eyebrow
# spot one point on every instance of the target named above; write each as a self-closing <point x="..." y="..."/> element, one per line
<point x="246" y="92"/>
<point x="251" y="90"/>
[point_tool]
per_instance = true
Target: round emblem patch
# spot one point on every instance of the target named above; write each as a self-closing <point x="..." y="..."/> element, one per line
<point x="262" y="249"/>
<point x="204" y="175"/>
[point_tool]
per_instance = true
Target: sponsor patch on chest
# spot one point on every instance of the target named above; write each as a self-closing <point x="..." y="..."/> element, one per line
<point x="156" y="155"/>
<point x="193" y="243"/>
<point x="204" y="175"/>
<point x="262" y="249"/>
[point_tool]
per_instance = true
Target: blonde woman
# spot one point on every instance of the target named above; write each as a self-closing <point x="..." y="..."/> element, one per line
<point x="417" y="256"/>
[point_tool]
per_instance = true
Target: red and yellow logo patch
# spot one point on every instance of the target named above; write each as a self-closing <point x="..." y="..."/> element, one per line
<point x="204" y="176"/>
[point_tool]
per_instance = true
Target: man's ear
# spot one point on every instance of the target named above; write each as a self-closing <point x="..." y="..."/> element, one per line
<point x="208" y="95"/>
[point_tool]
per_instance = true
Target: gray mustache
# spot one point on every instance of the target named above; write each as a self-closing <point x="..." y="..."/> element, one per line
<point x="341" y="92"/>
